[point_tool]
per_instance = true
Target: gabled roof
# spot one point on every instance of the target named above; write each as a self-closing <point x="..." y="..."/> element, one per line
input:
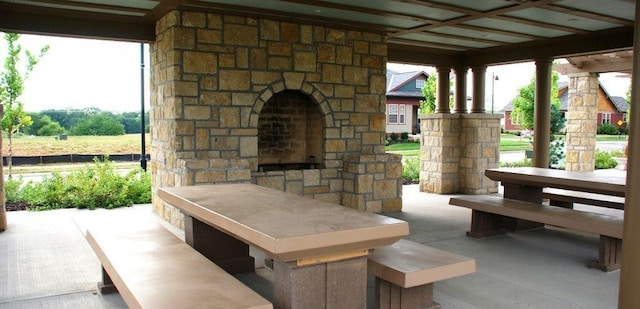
<point x="397" y="80"/>
<point x="619" y="103"/>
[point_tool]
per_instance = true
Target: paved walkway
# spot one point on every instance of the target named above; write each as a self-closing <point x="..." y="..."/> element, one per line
<point x="46" y="263"/>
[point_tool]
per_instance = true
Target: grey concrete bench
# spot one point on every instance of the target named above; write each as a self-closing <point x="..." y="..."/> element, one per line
<point x="488" y="212"/>
<point x="405" y="273"/>
<point x="152" y="268"/>
<point x="566" y="198"/>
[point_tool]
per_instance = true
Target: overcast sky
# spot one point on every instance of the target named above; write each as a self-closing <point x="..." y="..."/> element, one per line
<point x="78" y="73"/>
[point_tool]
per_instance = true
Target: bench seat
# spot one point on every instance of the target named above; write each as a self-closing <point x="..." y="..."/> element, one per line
<point x="405" y="273"/>
<point x="488" y="212"/>
<point x="152" y="268"/>
<point x="566" y="198"/>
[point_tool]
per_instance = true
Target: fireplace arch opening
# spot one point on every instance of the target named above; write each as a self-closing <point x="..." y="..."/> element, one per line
<point x="290" y="133"/>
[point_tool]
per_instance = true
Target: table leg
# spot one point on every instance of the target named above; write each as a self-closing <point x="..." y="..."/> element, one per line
<point x="484" y="224"/>
<point x="609" y="255"/>
<point x="337" y="284"/>
<point x="389" y="296"/>
<point x="225" y="251"/>
<point x="522" y="193"/>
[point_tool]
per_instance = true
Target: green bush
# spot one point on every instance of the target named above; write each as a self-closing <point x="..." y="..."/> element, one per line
<point x="524" y="163"/>
<point x="411" y="169"/>
<point x="12" y="189"/>
<point x="604" y="160"/>
<point x="394" y="137"/>
<point x="404" y="136"/>
<point x="96" y="186"/>
<point x="608" y="129"/>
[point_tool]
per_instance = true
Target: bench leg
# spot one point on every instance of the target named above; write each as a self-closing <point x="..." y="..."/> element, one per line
<point x="338" y="284"/>
<point x="485" y="224"/>
<point x="106" y="286"/>
<point x="389" y="295"/>
<point x="561" y="204"/>
<point x="225" y="251"/>
<point x="610" y="253"/>
<point x="522" y="193"/>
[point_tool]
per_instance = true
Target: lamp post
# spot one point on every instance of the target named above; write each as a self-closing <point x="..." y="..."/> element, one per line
<point x="494" y="78"/>
<point x="143" y="155"/>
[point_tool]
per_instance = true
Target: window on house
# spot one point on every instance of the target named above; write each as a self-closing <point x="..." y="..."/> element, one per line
<point x="392" y="113"/>
<point x="401" y="114"/>
<point x="606" y="118"/>
<point x="420" y="83"/>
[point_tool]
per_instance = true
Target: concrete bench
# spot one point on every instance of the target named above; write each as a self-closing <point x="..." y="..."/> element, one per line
<point x="488" y="212"/>
<point x="405" y="273"/>
<point x="152" y="268"/>
<point x="566" y="198"/>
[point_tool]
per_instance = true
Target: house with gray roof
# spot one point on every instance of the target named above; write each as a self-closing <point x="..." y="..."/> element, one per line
<point x="404" y="93"/>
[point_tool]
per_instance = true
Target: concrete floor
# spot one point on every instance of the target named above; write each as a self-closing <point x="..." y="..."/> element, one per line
<point x="46" y="263"/>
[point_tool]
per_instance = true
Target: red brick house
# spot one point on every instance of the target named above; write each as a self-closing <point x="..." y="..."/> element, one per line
<point x="611" y="109"/>
<point x="404" y="92"/>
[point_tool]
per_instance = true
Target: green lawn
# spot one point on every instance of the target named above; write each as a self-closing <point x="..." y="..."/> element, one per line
<point x="413" y="149"/>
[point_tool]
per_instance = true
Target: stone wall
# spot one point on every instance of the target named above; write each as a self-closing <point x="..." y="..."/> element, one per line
<point x="456" y="149"/>
<point x="581" y="123"/>
<point x="212" y="75"/>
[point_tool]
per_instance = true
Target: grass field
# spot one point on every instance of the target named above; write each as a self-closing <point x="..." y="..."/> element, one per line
<point x="48" y="145"/>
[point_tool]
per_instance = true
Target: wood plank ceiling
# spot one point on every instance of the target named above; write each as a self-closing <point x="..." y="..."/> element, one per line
<point x="433" y="32"/>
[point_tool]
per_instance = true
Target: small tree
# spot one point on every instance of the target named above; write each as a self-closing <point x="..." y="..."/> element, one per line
<point x="428" y="105"/>
<point x="103" y="123"/>
<point x="12" y="85"/>
<point x="524" y="106"/>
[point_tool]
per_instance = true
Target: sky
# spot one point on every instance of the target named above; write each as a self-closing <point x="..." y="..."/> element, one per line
<point x="80" y="73"/>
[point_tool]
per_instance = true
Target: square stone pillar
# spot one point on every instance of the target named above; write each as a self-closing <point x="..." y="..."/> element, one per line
<point x="480" y="150"/>
<point x="373" y="183"/>
<point x="440" y="151"/>
<point x="582" y="118"/>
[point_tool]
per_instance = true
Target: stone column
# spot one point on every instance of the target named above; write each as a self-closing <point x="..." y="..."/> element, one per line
<point x="460" y="95"/>
<point x="3" y="209"/>
<point x="440" y="153"/>
<point x="442" y="90"/>
<point x="478" y="89"/>
<point x="581" y="122"/>
<point x="542" y="114"/>
<point x="628" y="296"/>
<point x="480" y="150"/>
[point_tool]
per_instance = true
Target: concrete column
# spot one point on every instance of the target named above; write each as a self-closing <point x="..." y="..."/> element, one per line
<point x="542" y="114"/>
<point x="442" y="90"/>
<point x="628" y="296"/>
<point x="460" y="95"/>
<point x="479" y="151"/>
<point x="581" y="122"/>
<point x="478" y="89"/>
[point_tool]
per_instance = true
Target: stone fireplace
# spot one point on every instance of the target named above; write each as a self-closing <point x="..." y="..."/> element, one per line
<point x="290" y="133"/>
<point x="295" y="107"/>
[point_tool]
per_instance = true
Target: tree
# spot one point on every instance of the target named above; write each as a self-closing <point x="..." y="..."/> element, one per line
<point x="12" y="85"/>
<point x="428" y="105"/>
<point x="524" y="104"/>
<point x="104" y="123"/>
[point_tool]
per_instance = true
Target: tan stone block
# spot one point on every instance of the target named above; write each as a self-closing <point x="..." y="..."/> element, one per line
<point x="240" y="35"/>
<point x="197" y="112"/>
<point x="304" y="62"/>
<point x="183" y="38"/>
<point x="359" y="119"/>
<point x="336" y="36"/>
<point x="394" y="170"/>
<point x="378" y="122"/>
<point x="372" y="138"/>
<point x="392" y="205"/>
<point x="194" y="19"/>
<point x="214" y="21"/>
<point x="249" y="146"/>
<point x="242" y="58"/>
<point x="234" y="80"/>
<point x="331" y="73"/>
<point x="279" y="63"/>
<point x="258" y="58"/>
<point x="327" y="53"/>
<point x="293" y="175"/>
<point x="344" y="91"/>
<point x="289" y="32"/>
<point x="185" y="128"/>
<point x="344" y="55"/>
<point x="367" y="103"/>
<point x="185" y="88"/>
<point x="294" y="187"/>
<point x="265" y="78"/>
<point x="311" y="177"/>
<point x="239" y="175"/>
<point x="356" y="75"/>
<point x="215" y="98"/>
<point x="293" y="80"/>
<point x="383" y="189"/>
<point x="279" y="49"/>
<point x="269" y="30"/>
<point x="335" y="145"/>
<point x="202" y="139"/>
<point x="364" y="184"/>
<point x="229" y="117"/>
<point x="274" y="182"/>
<point x="210" y="176"/>
<point x="243" y="99"/>
<point x="227" y="60"/>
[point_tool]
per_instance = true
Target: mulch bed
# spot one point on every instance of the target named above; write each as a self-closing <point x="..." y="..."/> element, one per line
<point x="16" y="206"/>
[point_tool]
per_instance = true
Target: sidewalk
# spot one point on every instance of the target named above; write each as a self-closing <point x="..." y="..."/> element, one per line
<point x="48" y="264"/>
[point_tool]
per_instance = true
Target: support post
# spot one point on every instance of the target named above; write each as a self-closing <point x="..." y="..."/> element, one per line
<point x="542" y="114"/>
<point x="460" y="95"/>
<point x="628" y="296"/>
<point x="442" y="92"/>
<point x="478" y="89"/>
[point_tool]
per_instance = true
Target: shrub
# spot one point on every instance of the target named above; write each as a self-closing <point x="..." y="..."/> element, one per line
<point x="404" y="136"/>
<point x="604" y="160"/>
<point x="97" y="186"/>
<point x="12" y="189"/>
<point x="608" y="129"/>
<point x="556" y="154"/>
<point x="394" y="137"/>
<point x="524" y="163"/>
<point x="411" y="169"/>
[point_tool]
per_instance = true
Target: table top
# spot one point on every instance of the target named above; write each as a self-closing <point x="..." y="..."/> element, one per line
<point x="595" y="182"/>
<point x="287" y="226"/>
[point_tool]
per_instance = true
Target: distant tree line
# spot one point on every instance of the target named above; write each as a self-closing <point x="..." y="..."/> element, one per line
<point x="86" y="121"/>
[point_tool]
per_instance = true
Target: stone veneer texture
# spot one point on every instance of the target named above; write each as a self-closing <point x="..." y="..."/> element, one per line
<point x="211" y="76"/>
<point x="581" y="125"/>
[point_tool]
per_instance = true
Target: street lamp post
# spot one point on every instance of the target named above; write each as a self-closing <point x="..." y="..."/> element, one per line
<point x="494" y="78"/>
